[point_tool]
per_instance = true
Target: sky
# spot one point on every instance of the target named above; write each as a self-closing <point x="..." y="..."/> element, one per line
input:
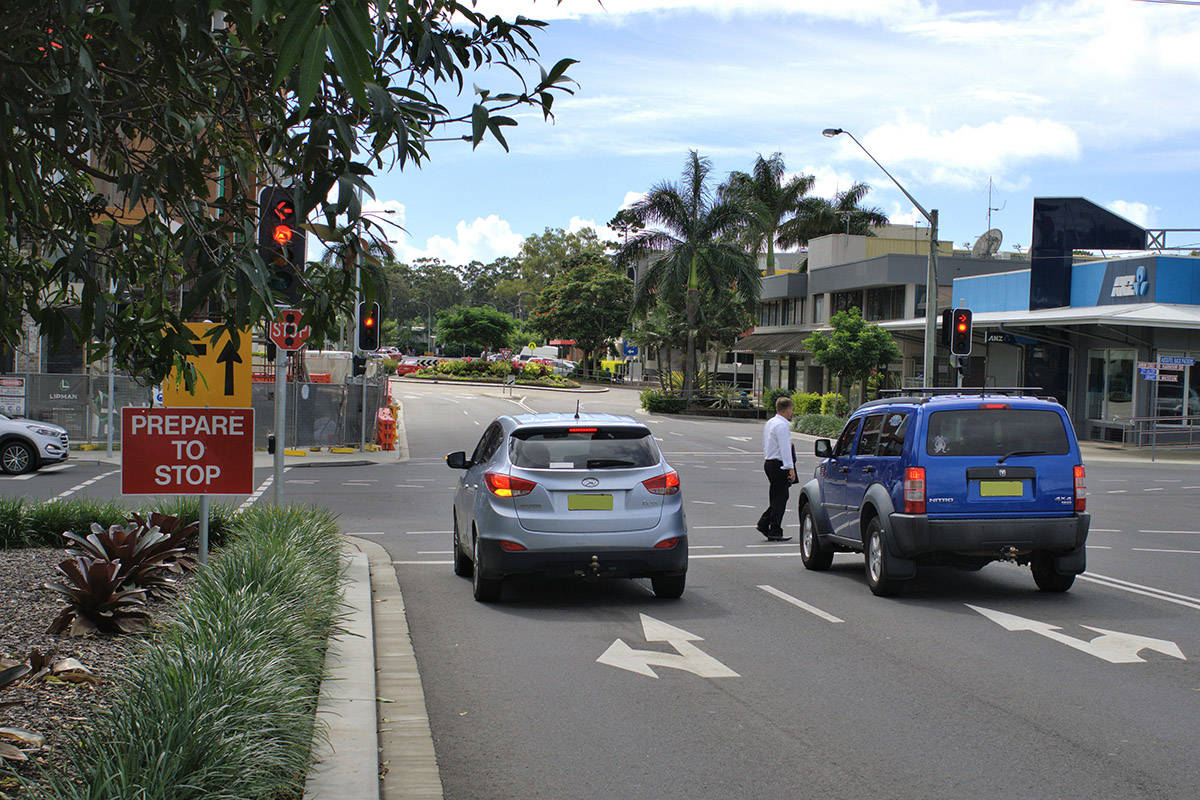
<point x="1094" y="98"/>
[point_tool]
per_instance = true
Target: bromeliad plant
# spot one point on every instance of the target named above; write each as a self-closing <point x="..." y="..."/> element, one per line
<point x="143" y="554"/>
<point x="96" y="599"/>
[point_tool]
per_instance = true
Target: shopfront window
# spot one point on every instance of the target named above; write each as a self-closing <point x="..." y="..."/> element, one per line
<point x="844" y="301"/>
<point x="818" y="308"/>
<point x="884" y="302"/>
<point x="1180" y="398"/>
<point x="1111" y="384"/>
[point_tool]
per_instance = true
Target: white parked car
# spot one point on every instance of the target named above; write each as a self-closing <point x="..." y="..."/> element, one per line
<point x="27" y="444"/>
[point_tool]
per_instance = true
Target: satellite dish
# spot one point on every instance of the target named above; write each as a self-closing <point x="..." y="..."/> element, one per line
<point x="988" y="244"/>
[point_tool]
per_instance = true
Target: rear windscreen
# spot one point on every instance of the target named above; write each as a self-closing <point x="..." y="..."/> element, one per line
<point x="583" y="447"/>
<point x="995" y="432"/>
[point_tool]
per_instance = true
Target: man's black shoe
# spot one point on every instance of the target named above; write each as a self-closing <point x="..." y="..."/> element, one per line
<point x="779" y="538"/>
<point x="764" y="530"/>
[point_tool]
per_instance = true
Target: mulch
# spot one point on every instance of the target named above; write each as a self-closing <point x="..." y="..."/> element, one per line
<point x="48" y="706"/>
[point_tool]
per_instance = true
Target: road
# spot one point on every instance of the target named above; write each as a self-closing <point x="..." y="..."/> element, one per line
<point x="576" y="690"/>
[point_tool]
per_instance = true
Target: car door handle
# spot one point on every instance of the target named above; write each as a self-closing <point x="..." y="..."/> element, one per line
<point x="868" y="469"/>
<point x="843" y="469"/>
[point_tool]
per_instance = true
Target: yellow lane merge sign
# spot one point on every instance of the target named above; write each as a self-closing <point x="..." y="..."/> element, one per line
<point x="222" y="372"/>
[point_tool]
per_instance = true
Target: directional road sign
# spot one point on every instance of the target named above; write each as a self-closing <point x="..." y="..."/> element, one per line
<point x="287" y="333"/>
<point x="222" y="372"/>
<point x="187" y="450"/>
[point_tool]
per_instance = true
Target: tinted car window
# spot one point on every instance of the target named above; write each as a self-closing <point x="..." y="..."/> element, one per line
<point x="891" y="439"/>
<point x="487" y="444"/>
<point x="870" y="435"/>
<point x="842" y="447"/>
<point x="995" y="432"/>
<point x="584" y="447"/>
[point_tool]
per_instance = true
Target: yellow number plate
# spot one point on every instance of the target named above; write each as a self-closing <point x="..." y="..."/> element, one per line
<point x="1001" y="488"/>
<point x="589" y="502"/>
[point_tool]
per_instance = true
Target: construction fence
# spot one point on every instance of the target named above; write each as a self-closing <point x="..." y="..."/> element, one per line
<point x="318" y="414"/>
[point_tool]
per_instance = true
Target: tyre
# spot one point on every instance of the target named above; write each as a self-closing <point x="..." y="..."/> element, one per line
<point x="486" y="590"/>
<point x="668" y="587"/>
<point x="1045" y="576"/>
<point x="17" y="458"/>
<point x="814" y="555"/>
<point x="462" y="562"/>
<point x="876" y="555"/>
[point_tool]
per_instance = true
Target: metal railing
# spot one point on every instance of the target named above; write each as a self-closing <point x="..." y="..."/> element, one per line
<point x="1164" y="432"/>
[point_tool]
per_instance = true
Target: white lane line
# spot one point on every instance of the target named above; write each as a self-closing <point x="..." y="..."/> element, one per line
<point x="435" y="552"/>
<point x="1154" y="489"/>
<point x="705" y="547"/>
<point x="423" y="533"/>
<point x="789" y="554"/>
<point x="1168" y="480"/>
<point x="1147" y="591"/>
<point x="773" y="544"/>
<point x="1193" y="533"/>
<point x="1105" y="530"/>
<point x="1116" y="491"/>
<point x="301" y="480"/>
<point x="85" y="484"/>
<point x="409" y="486"/>
<point x="475" y="421"/>
<point x="262" y="487"/>
<point x="740" y="450"/>
<point x="743" y="505"/>
<point x="414" y="563"/>
<point x="1191" y="487"/>
<point x="366" y="533"/>
<point x="1163" y="550"/>
<point x="44" y="471"/>
<point x="727" y="527"/>
<point x="1100" y="547"/>
<point x="704" y="502"/>
<point x="787" y="598"/>
<point x="1113" y="480"/>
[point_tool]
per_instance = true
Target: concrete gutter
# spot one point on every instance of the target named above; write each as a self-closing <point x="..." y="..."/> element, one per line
<point x="346" y="747"/>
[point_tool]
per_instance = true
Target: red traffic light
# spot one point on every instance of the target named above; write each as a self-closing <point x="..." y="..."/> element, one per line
<point x="282" y="234"/>
<point x="369" y="322"/>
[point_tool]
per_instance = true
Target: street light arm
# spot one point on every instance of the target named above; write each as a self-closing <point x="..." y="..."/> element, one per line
<point x="831" y="132"/>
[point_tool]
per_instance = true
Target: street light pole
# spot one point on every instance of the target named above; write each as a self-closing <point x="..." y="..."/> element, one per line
<point x="931" y="271"/>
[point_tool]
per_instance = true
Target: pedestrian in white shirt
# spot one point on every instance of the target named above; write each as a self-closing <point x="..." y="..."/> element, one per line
<point x="780" y="465"/>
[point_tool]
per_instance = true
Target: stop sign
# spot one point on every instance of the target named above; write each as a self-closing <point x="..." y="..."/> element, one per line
<point x="286" y="332"/>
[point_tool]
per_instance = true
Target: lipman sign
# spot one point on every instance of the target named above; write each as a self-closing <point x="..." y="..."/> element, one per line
<point x="187" y="450"/>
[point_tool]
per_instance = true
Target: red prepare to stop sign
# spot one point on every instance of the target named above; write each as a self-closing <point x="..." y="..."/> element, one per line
<point x="286" y="332"/>
<point x="187" y="450"/>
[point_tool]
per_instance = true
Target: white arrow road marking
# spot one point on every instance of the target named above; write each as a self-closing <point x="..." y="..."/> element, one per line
<point x="1111" y="646"/>
<point x="687" y="657"/>
<point x="739" y="438"/>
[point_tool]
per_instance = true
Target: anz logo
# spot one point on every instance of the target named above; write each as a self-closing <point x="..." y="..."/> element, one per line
<point x="1135" y="285"/>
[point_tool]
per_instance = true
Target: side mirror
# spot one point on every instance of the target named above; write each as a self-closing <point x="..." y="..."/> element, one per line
<point x="457" y="460"/>
<point x="823" y="448"/>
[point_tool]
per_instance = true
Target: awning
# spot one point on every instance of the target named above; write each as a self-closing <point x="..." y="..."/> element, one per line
<point x="772" y="343"/>
<point x="1151" y="315"/>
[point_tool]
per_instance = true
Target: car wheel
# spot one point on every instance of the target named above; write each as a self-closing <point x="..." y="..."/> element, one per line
<point x="486" y="590"/>
<point x="877" y="558"/>
<point x="1045" y="576"/>
<point x="16" y="458"/>
<point x="462" y="563"/>
<point x="814" y="555"/>
<point x="668" y="586"/>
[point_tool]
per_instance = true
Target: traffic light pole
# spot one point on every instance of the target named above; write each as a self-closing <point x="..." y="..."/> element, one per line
<point x="280" y="420"/>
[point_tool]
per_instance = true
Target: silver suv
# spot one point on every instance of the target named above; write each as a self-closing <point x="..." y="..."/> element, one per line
<point x="27" y="444"/>
<point x="588" y="495"/>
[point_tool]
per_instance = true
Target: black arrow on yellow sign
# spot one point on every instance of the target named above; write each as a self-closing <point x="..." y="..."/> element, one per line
<point x="229" y="356"/>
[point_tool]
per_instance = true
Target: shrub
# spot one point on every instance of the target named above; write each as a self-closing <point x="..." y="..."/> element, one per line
<point x="142" y="552"/>
<point x="221" y="516"/>
<point x="833" y="404"/>
<point x="46" y="522"/>
<point x="389" y="365"/>
<point x="222" y="699"/>
<point x="14" y="530"/>
<point x="96" y="600"/>
<point x="807" y="402"/>
<point x="661" y="402"/>
<point x="823" y="425"/>
<point x="770" y="396"/>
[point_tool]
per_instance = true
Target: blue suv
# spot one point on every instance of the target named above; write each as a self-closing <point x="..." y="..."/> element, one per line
<point x="954" y="479"/>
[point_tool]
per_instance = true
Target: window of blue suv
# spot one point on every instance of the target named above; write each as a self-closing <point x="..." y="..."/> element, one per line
<point x="995" y="432"/>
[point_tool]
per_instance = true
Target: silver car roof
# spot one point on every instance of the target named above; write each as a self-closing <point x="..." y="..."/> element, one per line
<point x="569" y="418"/>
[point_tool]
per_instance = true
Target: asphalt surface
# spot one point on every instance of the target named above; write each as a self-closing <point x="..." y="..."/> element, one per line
<point x="826" y="690"/>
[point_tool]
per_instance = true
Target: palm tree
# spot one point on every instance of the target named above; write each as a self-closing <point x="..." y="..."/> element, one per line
<point x="819" y="216"/>
<point x="686" y="240"/>
<point x="771" y="203"/>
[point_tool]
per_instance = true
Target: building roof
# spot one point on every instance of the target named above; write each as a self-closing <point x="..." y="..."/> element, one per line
<point x="1152" y="315"/>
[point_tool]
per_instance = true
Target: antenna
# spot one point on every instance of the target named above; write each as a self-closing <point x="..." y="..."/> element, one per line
<point x="576" y="408"/>
<point x="987" y="244"/>
<point x="990" y="208"/>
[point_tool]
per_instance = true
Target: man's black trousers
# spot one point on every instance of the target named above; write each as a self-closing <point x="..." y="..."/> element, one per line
<point x="772" y="519"/>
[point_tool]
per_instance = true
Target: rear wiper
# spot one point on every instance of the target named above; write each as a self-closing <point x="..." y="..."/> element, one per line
<point x="1021" y="453"/>
<point x="596" y="463"/>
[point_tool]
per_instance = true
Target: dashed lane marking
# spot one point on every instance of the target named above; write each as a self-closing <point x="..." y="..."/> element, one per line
<point x="1163" y="550"/>
<point x="85" y="484"/>
<point x="262" y="487"/>
<point x="425" y="533"/>
<point x="1192" y="533"/>
<point x="798" y="603"/>
<point x="43" y="471"/>
<point x="367" y="533"/>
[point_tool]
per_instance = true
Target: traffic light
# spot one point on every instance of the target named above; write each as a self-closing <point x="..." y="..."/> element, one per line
<point x="358" y="365"/>
<point x="947" y="316"/>
<point x="281" y="242"/>
<point x="960" y="334"/>
<point x="368" y="326"/>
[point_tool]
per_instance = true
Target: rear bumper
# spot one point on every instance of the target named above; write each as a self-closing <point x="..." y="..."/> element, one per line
<point x="913" y="535"/>
<point x="588" y="562"/>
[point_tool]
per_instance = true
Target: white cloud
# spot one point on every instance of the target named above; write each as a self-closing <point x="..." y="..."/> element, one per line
<point x="861" y="11"/>
<point x="1139" y="213"/>
<point x="631" y="198"/>
<point x="485" y="239"/>
<point x="603" y="232"/>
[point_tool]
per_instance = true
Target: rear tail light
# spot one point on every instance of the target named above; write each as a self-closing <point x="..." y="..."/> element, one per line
<point x="503" y="485"/>
<point x="667" y="544"/>
<point x="914" y="490"/>
<point x="511" y="547"/>
<point x="1080" y="488"/>
<point x="667" y="483"/>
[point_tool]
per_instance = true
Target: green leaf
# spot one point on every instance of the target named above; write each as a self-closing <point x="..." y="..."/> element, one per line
<point x="479" y="119"/>
<point x="298" y="35"/>
<point x="312" y="70"/>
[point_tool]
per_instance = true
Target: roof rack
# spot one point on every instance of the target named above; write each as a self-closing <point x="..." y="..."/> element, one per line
<point x="925" y="394"/>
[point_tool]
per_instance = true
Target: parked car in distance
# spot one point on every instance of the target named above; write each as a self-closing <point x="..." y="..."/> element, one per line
<point x="588" y="495"/>
<point x="955" y="479"/>
<point x="410" y="364"/>
<point x="27" y="445"/>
